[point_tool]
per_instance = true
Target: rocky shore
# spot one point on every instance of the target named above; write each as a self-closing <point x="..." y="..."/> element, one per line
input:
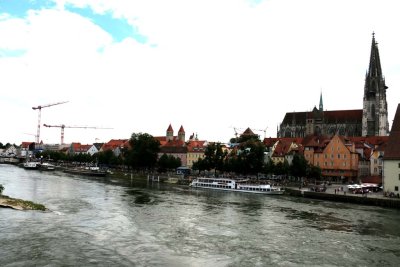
<point x="19" y="204"/>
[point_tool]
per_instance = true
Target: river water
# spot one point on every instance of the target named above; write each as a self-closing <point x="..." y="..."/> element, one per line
<point x="125" y="222"/>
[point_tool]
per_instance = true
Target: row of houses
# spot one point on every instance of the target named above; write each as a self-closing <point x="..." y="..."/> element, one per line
<point x="176" y="145"/>
<point x="339" y="157"/>
<point x="376" y="158"/>
<point x="369" y="159"/>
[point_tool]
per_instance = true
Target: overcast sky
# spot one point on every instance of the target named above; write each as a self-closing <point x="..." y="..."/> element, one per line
<point x="209" y="65"/>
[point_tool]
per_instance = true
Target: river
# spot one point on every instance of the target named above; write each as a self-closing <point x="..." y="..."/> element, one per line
<point x="126" y="222"/>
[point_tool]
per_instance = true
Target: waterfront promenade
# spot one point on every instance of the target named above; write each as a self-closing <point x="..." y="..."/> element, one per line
<point x="340" y="193"/>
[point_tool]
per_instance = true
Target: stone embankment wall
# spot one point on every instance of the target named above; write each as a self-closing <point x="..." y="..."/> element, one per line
<point x="348" y="198"/>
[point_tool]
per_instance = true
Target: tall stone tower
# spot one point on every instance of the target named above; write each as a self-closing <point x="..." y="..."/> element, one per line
<point x="181" y="134"/>
<point x="375" y="113"/>
<point x="170" y="133"/>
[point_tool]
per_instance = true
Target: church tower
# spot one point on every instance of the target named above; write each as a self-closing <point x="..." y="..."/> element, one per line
<point x="170" y="133"/>
<point x="375" y="113"/>
<point x="181" y="134"/>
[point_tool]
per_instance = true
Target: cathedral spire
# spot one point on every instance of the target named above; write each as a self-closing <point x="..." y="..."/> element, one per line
<point x="375" y="118"/>
<point x="321" y="104"/>
<point x="374" y="61"/>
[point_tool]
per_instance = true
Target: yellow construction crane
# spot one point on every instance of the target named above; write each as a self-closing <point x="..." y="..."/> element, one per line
<point x="39" y="108"/>
<point x="62" y="126"/>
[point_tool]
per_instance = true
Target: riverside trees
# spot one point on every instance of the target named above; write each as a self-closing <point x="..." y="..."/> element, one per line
<point x="246" y="158"/>
<point x="143" y="152"/>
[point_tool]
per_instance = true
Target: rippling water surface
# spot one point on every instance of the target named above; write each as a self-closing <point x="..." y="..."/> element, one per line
<point x="124" y="222"/>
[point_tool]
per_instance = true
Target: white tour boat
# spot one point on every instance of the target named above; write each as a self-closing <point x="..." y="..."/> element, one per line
<point x="227" y="184"/>
<point x="31" y="165"/>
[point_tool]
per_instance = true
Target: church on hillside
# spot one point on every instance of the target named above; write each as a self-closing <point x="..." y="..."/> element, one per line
<point x="372" y="120"/>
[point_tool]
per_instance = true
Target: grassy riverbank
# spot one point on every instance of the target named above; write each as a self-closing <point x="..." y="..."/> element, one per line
<point x="19" y="204"/>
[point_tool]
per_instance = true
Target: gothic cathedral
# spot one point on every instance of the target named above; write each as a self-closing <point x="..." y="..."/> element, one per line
<point x="375" y="113"/>
<point x="372" y="120"/>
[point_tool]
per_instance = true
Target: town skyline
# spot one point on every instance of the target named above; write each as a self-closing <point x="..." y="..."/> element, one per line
<point x="209" y="67"/>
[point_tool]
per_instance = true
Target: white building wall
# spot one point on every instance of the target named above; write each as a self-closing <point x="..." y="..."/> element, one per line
<point x="391" y="176"/>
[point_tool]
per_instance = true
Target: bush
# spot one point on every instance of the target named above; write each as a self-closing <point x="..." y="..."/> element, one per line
<point x="1" y="188"/>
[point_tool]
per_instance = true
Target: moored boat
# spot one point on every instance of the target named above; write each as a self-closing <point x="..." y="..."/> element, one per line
<point x="31" y="165"/>
<point x="242" y="185"/>
<point x="88" y="171"/>
<point x="45" y="166"/>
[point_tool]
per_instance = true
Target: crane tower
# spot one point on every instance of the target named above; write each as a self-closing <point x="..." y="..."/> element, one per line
<point x="62" y="126"/>
<point x="39" y="108"/>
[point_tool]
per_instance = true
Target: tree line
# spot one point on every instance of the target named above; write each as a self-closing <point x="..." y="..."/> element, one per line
<point x="141" y="156"/>
<point x="247" y="157"/>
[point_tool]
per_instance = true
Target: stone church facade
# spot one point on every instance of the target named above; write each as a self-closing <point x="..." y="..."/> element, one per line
<point x="372" y="120"/>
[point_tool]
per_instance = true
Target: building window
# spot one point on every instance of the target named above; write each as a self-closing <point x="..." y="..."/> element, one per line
<point x="338" y="156"/>
<point x="399" y="176"/>
<point x="396" y="188"/>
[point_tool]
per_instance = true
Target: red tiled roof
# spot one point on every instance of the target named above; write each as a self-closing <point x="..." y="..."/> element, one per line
<point x="372" y="140"/>
<point x="315" y="141"/>
<point x="268" y="142"/>
<point x="26" y="144"/>
<point x="181" y="130"/>
<point x="343" y="116"/>
<point x="393" y="145"/>
<point x="333" y="116"/>
<point x="196" y="146"/>
<point x="114" y="143"/>
<point x="176" y="142"/>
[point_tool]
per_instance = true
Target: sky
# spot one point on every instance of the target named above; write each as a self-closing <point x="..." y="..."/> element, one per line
<point x="212" y="66"/>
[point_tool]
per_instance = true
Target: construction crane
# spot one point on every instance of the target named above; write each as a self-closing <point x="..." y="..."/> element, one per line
<point x="236" y="129"/>
<point x="264" y="131"/>
<point x="39" y="108"/>
<point x="62" y="126"/>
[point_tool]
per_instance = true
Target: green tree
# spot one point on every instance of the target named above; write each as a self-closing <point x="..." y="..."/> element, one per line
<point x="250" y="157"/>
<point x="214" y="157"/>
<point x="144" y="151"/>
<point x="269" y="167"/>
<point x="314" y="172"/>
<point x="282" y="168"/>
<point x="108" y="158"/>
<point x="299" y="166"/>
<point x="168" y="162"/>
<point x="200" y="165"/>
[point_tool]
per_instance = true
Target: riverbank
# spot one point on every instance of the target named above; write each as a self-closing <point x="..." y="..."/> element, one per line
<point x="371" y="199"/>
<point x="19" y="204"/>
